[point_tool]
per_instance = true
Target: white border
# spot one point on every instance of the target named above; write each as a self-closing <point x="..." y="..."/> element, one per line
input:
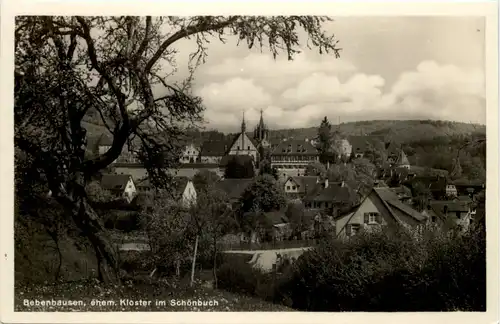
<point x="12" y="8"/>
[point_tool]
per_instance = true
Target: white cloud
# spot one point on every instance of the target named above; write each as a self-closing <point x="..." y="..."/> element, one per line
<point x="234" y="95"/>
<point x="430" y="91"/>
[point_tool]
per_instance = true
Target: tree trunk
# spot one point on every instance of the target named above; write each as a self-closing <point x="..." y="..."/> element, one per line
<point x="215" y="262"/>
<point x="55" y="238"/>
<point x="92" y="227"/>
<point x="194" y="260"/>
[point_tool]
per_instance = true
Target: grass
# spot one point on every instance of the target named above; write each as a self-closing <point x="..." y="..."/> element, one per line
<point x="88" y="292"/>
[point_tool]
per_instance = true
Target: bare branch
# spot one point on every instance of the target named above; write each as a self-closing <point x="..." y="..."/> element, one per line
<point x="191" y="30"/>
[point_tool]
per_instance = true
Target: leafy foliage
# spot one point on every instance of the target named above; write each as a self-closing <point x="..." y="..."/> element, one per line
<point x="239" y="167"/>
<point x="203" y="180"/>
<point x="263" y="195"/>
<point x="116" y="72"/>
<point x="315" y="169"/>
<point x="377" y="271"/>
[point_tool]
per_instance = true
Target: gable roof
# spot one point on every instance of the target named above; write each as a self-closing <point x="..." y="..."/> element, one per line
<point x="295" y="147"/>
<point x="214" y="148"/>
<point x="115" y="181"/>
<point x="402" y="159"/>
<point x="236" y="136"/>
<point x="392" y="200"/>
<point x="335" y="193"/>
<point x="234" y="188"/>
<point x="451" y="205"/>
<point x="180" y="183"/>
<point x="304" y="182"/>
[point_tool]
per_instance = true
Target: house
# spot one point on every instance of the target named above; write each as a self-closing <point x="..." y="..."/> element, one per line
<point x="190" y="154"/>
<point x="316" y="223"/>
<point x="403" y="193"/>
<point x="451" y="190"/>
<point x="291" y="157"/>
<point x="334" y="196"/>
<point x="234" y="188"/>
<point x="448" y="214"/>
<point x="185" y="191"/>
<point x="296" y="187"/>
<point x="212" y="151"/>
<point x="280" y="227"/>
<point x="136" y="170"/>
<point x="402" y="160"/>
<point x="380" y="208"/>
<point x="467" y="187"/>
<point x="343" y="147"/>
<point x="361" y="144"/>
<point x="120" y="185"/>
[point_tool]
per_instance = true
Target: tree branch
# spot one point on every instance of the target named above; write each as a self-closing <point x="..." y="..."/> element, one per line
<point x="191" y="30"/>
<point x="145" y="40"/>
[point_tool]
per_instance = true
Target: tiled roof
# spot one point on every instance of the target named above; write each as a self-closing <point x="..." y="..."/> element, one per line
<point x="295" y="147"/>
<point x="451" y="205"/>
<point x="402" y="159"/>
<point x="333" y="193"/>
<point x="305" y="182"/>
<point x="391" y="199"/>
<point x="234" y="188"/>
<point x="402" y="190"/>
<point x="215" y="148"/>
<point x="465" y="183"/>
<point x="114" y="181"/>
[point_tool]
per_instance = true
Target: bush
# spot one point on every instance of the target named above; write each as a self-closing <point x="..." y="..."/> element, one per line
<point x="380" y="271"/>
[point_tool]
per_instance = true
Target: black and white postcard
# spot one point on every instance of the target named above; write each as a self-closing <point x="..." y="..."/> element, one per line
<point x="264" y="162"/>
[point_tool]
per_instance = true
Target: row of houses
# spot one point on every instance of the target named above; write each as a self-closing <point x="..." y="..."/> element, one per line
<point x="289" y="157"/>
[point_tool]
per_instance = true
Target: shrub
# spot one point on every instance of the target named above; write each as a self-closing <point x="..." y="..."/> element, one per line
<point x="379" y="271"/>
<point x="390" y="272"/>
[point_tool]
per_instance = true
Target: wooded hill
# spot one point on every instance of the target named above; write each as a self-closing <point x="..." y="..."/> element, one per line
<point x="401" y="131"/>
<point x="397" y="131"/>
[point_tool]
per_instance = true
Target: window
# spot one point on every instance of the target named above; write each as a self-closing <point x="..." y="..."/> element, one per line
<point x="352" y="229"/>
<point x="248" y="148"/>
<point x="238" y="148"/>
<point x="433" y="219"/>
<point x="287" y="187"/>
<point x="372" y="218"/>
<point x="293" y="187"/>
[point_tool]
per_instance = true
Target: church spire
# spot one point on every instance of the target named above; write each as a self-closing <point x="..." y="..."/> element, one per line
<point x="243" y="125"/>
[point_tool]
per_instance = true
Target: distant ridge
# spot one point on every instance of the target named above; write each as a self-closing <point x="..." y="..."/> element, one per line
<point x="392" y="130"/>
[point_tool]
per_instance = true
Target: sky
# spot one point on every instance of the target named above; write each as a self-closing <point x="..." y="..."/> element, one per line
<point x="389" y="68"/>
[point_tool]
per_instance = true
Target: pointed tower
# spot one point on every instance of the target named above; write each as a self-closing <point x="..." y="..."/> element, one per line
<point x="261" y="133"/>
<point x="456" y="172"/>
<point x="243" y="131"/>
<point x="402" y="160"/>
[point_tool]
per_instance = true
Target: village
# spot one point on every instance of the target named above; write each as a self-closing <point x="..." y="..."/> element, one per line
<point x="323" y="206"/>
<point x="249" y="163"/>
